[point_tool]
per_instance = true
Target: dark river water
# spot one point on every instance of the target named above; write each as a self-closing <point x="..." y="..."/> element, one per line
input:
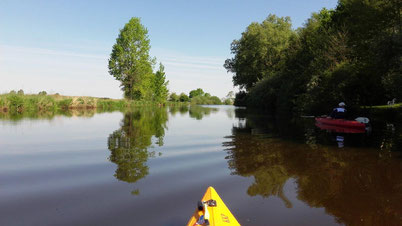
<point x="150" y="166"/>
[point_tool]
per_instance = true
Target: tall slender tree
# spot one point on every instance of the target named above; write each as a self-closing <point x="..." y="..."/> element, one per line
<point x="160" y="85"/>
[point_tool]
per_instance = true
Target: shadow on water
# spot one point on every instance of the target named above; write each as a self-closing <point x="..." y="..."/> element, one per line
<point x="358" y="184"/>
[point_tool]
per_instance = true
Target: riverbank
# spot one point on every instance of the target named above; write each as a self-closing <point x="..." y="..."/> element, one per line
<point x="392" y="106"/>
<point x="42" y="102"/>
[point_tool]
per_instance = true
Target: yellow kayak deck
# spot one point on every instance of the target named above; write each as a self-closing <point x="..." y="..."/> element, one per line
<point x="216" y="215"/>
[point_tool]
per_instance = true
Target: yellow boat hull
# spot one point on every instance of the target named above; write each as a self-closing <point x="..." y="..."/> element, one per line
<point x="218" y="215"/>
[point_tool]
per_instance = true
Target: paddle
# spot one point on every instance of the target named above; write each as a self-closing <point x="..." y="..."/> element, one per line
<point x="362" y="120"/>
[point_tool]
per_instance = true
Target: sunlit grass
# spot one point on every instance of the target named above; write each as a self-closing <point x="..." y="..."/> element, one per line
<point x="14" y="102"/>
<point x="398" y="105"/>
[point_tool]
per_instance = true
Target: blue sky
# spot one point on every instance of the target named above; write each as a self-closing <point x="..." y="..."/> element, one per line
<point x="63" y="46"/>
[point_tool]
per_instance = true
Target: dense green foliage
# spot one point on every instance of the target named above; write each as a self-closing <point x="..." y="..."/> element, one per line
<point x="131" y="64"/>
<point x="160" y="90"/>
<point x="174" y="97"/>
<point x="350" y="54"/>
<point x="183" y="97"/>
<point x="196" y="92"/>
<point x="212" y="100"/>
<point x="260" y="50"/>
<point x="198" y="96"/>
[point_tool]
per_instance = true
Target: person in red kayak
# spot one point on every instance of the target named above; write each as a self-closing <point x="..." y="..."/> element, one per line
<point x="339" y="112"/>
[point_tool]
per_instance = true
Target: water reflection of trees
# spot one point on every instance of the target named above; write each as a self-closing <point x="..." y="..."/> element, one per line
<point x="47" y="115"/>
<point x="194" y="111"/>
<point x="199" y="112"/>
<point x="129" y="145"/>
<point x="355" y="185"/>
<point x="183" y="109"/>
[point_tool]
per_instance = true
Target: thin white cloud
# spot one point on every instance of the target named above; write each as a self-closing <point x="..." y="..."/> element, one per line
<point x="69" y="73"/>
<point x="191" y="65"/>
<point x="41" y="51"/>
<point x="196" y="60"/>
<point x="76" y="73"/>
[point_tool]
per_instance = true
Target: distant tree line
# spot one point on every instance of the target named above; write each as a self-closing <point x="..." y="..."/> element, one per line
<point x="198" y="96"/>
<point x="351" y="53"/>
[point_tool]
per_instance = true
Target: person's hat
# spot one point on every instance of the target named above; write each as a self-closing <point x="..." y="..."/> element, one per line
<point x="342" y="104"/>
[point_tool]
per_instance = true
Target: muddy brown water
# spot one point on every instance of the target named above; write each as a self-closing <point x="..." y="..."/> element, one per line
<point x="150" y="166"/>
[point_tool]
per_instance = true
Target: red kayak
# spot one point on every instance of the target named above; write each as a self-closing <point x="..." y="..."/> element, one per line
<point x="341" y="123"/>
<point x="340" y="129"/>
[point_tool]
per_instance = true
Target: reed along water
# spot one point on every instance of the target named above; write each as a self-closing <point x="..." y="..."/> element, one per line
<point x="151" y="165"/>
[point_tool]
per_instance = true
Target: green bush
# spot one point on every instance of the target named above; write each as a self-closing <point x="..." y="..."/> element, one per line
<point x="206" y="100"/>
<point x="108" y="104"/>
<point x="183" y="97"/>
<point x="46" y="103"/>
<point x="16" y="102"/>
<point x="174" y="97"/>
<point x="64" y="103"/>
<point x="3" y="101"/>
<point x="81" y="101"/>
<point x="228" y="102"/>
<point x="31" y="103"/>
<point x="90" y="103"/>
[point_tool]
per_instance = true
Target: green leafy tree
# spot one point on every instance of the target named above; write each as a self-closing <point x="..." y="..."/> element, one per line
<point x="259" y="53"/>
<point x="160" y="85"/>
<point x="196" y="92"/>
<point x="375" y="39"/>
<point x="174" y="97"/>
<point x="20" y="92"/>
<point x="215" y="100"/>
<point x="227" y="102"/>
<point x="130" y="62"/>
<point x="183" y="97"/>
<point x="206" y="100"/>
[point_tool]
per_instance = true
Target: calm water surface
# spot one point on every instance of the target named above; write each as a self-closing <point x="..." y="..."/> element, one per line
<point x="151" y="166"/>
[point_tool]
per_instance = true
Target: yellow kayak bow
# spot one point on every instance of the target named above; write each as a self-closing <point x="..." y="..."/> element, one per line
<point x="212" y="211"/>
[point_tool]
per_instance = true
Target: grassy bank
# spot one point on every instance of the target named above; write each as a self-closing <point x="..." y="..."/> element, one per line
<point x="393" y="106"/>
<point x="35" y="102"/>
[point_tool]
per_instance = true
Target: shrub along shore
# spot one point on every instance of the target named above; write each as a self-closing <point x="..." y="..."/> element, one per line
<point x="14" y="102"/>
